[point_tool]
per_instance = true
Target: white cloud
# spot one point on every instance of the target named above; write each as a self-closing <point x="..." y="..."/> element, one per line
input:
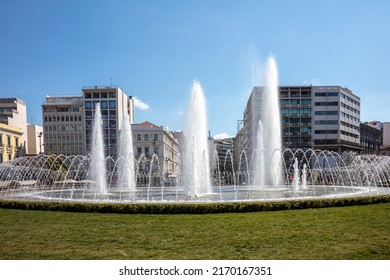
<point x="140" y="104"/>
<point x="222" y="135"/>
<point x="313" y="82"/>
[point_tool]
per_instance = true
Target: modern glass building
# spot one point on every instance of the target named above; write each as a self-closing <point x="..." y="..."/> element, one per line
<point x="312" y="117"/>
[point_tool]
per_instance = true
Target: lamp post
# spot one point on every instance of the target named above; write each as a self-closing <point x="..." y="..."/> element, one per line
<point x="40" y="141"/>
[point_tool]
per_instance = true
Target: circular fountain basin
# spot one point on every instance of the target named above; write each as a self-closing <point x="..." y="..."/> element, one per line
<point x="181" y="195"/>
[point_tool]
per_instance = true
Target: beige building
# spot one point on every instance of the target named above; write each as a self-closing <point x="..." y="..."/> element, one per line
<point x="63" y="125"/>
<point x="35" y="139"/>
<point x="150" y="139"/>
<point x="68" y="120"/>
<point x="13" y="112"/>
<point x="10" y="138"/>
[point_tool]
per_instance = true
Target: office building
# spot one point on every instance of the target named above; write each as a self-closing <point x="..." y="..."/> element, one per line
<point x="63" y="124"/>
<point x="312" y="117"/>
<point x="68" y="120"/>
<point x="114" y="103"/>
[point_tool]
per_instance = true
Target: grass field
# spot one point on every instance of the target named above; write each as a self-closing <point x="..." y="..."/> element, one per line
<point x="349" y="233"/>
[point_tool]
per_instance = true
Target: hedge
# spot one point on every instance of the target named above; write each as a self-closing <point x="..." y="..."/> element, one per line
<point x="193" y="208"/>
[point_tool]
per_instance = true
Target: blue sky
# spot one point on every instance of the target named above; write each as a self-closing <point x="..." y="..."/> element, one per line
<point x="155" y="49"/>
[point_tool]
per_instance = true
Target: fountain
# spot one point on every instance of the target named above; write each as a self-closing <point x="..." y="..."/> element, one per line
<point x="98" y="166"/>
<point x="268" y="162"/>
<point x="126" y="169"/>
<point x="271" y="173"/>
<point x="196" y="163"/>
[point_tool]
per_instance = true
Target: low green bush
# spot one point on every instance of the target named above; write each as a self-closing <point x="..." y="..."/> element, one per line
<point x="193" y="208"/>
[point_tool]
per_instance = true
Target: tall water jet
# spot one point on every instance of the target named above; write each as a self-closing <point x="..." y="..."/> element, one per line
<point x="98" y="162"/>
<point x="196" y="164"/>
<point x="269" y="144"/>
<point x="126" y="170"/>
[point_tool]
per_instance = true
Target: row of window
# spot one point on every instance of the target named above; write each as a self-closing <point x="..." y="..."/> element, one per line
<point x="100" y="95"/>
<point x="146" y="137"/>
<point x="62" y="118"/>
<point x="350" y="99"/>
<point x="9" y="140"/>
<point x="325" y="122"/>
<point x="326" y="113"/>
<point x="284" y="102"/>
<point x="64" y="137"/>
<point x="349" y="134"/>
<point x="326" y="94"/>
<point x="329" y="131"/>
<point x="146" y="151"/>
<point x="349" y="108"/>
<point x="345" y="115"/>
<point x="295" y="93"/>
<point x="2" y="159"/>
<point x="103" y="104"/>
<point x="350" y="125"/>
<point x="63" y="127"/>
<point x="61" y="109"/>
<point x="296" y="111"/>
<point x="333" y="103"/>
<point x="303" y="121"/>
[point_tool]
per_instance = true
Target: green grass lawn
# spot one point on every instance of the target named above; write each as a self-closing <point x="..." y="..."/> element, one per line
<point x="356" y="232"/>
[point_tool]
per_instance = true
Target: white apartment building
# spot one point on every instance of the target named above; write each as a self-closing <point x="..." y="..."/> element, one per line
<point x="336" y="119"/>
<point x="150" y="139"/>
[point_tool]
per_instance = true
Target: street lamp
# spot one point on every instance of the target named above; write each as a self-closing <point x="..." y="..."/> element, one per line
<point x="40" y="141"/>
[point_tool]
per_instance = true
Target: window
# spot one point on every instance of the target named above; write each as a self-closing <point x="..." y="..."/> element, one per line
<point x="16" y="142"/>
<point x="87" y="95"/>
<point x="155" y="137"/>
<point x="138" y="137"/>
<point x="146" y="137"/>
<point x="88" y="104"/>
<point x="96" y="95"/>
<point x="9" y="140"/>
<point x="146" y="150"/>
<point x="111" y="95"/>
<point x="112" y="104"/>
<point x="104" y="104"/>
<point x="139" y="151"/>
<point x="103" y="94"/>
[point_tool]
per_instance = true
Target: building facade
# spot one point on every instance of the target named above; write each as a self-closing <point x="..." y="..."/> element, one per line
<point x="10" y="138"/>
<point x="114" y="103"/>
<point x="13" y="112"/>
<point x="370" y="139"/>
<point x="312" y="117"/>
<point x="68" y="120"/>
<point x="150" y="139"/>
<point x="35" y="139"/>
<point x="63" y="125"/>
